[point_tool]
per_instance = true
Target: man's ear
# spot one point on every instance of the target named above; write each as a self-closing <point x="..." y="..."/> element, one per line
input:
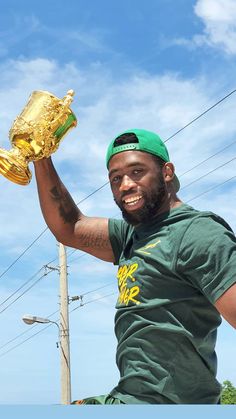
<point x="168" y="172"/>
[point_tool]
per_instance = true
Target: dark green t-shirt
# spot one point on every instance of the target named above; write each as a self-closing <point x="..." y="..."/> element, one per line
<point x="171" y="271"/>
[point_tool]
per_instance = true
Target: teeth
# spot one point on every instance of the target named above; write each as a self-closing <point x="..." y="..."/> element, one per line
<point x="133" y="200"/>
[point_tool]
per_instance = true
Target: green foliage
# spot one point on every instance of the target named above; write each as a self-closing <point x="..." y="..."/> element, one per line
<point x="228" y="395"/>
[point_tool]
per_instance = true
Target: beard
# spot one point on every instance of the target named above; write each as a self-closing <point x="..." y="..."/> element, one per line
<point x="153" y="202"/>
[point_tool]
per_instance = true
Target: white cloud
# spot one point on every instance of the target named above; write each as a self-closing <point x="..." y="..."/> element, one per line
<point x="219" y="27"/>
<point x="219" y="18"/>
<point x="216" y="11"/>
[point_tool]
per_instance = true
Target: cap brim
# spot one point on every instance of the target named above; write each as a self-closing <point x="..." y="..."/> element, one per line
<point x="176" y="183"/>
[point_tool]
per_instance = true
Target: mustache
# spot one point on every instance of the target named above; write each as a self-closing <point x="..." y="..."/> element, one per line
<point x="127" y="193"/>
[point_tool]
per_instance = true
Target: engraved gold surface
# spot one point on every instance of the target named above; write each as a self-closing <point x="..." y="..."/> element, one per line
<point x="36" y="133"/>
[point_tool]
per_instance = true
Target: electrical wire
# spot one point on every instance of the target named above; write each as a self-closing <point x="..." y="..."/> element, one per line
<point x="22" y="286"/>
<point x="22" y="254"/>
<point x="202" y="114"/>
<point x="79" y="257"/>
<point x="41" y="234"/>
<point x="30" y="337"/>
<point x="21" y="295"/>
<point x="207" y="159"/>
<point x="206" y="174"/>
<point x="211" y="189"/>
<point x="92" y="301"/>
<point x="25" y="332"/>
<point x="80" y="297"/>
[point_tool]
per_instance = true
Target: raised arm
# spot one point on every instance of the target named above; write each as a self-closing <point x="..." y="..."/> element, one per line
<point x="65" y="220"/>
<point x="226" y="305"/>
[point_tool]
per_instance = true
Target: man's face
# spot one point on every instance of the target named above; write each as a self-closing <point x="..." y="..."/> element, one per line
<point x="138" y="185"/>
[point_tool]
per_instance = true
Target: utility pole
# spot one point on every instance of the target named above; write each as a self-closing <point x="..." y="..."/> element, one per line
<point x="64" y="329"/>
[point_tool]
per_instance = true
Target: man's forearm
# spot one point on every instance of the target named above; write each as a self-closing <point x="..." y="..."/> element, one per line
<point x="59" y="209"/>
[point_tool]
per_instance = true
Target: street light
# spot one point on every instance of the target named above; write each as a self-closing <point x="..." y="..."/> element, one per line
<point x="28" y="319"/>
<point x="65" y="357"/>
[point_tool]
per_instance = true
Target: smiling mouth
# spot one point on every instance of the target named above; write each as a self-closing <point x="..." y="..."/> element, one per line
<point x="132" y="201"/>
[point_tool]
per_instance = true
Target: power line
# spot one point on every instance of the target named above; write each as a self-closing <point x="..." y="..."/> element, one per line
<point x="21" y="295"/>
<point x="79" y="257"/>
<point x="80" y="297"/>
<point x="199" y="116"/>
<point x="92" y="193"/>
<point x="16" y="260"/>
<point x="211" y="171"/>
<point x="211" y="189"/>
<point x="99" y="288"/>
<point x="26" y="331"/>
<point x="29" y="280"/>
<point x="21" y="343"/>
<point x="208" y="158"/>
<point x="41" y="234"/>
<point x="92" y="301"/>
<point x="22" y="286"/>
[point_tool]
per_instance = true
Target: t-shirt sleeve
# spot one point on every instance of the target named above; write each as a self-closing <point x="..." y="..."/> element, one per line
<point x="207" y="256"/>
<point x="118" y="230"/>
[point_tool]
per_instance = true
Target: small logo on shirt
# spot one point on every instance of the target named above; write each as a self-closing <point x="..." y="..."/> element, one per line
<point x="147" y="247"/>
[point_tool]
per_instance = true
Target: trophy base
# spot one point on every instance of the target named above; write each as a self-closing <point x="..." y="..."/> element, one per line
<point x="13" y="170"/>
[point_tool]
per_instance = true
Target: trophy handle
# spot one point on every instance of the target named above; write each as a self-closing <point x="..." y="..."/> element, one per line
<point x="62" y="130"/>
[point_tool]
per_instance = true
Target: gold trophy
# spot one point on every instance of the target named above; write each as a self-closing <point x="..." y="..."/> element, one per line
<point x="36" y="133"/>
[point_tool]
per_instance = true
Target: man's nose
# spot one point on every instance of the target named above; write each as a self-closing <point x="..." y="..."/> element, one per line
<point x="127" y="183"/>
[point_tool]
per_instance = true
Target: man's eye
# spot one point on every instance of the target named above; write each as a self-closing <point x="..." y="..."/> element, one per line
<point x="115" y="179"/>
<point x="137" y="171"/>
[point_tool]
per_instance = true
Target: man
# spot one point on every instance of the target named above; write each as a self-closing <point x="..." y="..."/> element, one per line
<point x="176" y="275"/>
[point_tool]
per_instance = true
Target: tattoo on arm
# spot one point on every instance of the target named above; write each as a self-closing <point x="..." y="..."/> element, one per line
<point x="95" y="239"/>
<point x="66" y="206"/>
<point x="92" y="237"/>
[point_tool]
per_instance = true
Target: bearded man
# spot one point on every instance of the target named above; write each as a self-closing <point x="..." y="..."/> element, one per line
<point x="176" y="273"/>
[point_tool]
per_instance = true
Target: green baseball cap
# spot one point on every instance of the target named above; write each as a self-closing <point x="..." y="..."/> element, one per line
<point x="143" y="141"/>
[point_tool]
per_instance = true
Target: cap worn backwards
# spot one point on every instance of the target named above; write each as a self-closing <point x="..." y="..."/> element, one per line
<point x="141" y="140"/>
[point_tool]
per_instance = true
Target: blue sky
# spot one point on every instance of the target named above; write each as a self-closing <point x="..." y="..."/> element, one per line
<point x="156" y="65"/>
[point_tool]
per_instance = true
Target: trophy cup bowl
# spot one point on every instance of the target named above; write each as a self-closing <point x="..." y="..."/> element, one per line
<point x="36" y="133"/>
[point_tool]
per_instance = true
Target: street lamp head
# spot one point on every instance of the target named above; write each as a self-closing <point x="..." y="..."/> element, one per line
<point x="28" y="319"/>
